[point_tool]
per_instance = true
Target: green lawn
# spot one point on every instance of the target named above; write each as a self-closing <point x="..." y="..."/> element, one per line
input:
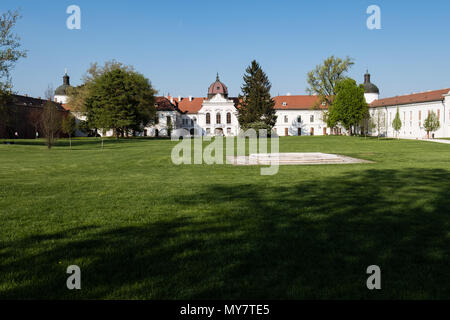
<point x="142" y="228"/>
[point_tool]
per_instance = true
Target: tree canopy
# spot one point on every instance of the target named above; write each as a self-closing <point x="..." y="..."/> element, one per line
<point x="397" y="122"/>
<point x="79" y="95"/>
<point x="349" y="106"/>
<point x="10" y="53"/>
<point x="323" y="80"/>
<point x="10" y="47"/>
<point x="121" y="100"/>
<point x="432" y="123"/>
<point x="256" y="103"/>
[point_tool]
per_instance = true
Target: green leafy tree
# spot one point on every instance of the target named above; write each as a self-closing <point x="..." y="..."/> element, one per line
<point x="121" y="100"/>
<point x="10" y="53"/>
<point x="349" y="106"/>
<point x="68" y="126"/>
<point x="77" y="96"/>
<point x="256" y="103"/>
<point x="431" y="123"/>
<point x="10" y="47"/>
<point x="397" y="123"/>
<point x="323" y="81"/>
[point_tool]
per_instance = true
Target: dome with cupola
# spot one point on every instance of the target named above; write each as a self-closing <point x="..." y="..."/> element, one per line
<point x="62" y="89"/>
<point x="371" y="91"/>
<point x="217" y="88"/>
<point x="61" y="92"/>
<point x="369" y="87"/>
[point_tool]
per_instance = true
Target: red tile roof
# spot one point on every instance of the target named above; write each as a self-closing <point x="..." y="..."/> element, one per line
<point x="437" y="95"/>
<point x="300" y="102"/>
<point x="189" y="106"/>
<point x="164" y="104"/>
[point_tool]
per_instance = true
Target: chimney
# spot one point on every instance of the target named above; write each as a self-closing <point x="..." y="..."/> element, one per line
<point x="190" y="98"/>
<point x="179" y="98"/>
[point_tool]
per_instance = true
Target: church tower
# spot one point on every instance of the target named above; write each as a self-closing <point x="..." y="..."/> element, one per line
<point x="371" y="91"/>
<point x="61" y="91"/>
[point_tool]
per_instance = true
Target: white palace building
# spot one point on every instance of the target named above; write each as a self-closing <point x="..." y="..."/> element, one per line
<point x="298" y="115"/>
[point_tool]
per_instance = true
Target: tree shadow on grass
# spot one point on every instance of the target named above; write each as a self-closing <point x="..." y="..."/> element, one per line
<point x="311" y="240"/>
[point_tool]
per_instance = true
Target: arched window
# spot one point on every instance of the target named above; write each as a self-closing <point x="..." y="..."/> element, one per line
<point x="208" y="118"/>
<point x="228" y="117"/>
<point x="218" y="119"/>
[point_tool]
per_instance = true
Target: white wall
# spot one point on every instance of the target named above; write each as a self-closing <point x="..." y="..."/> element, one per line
<point x="413" y="117"/>
<point x="222" y="106"/>
<point x="305" y="125"/>
<point x="61" y="99"/>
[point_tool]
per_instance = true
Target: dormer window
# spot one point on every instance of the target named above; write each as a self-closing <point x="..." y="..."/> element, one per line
<point x="284" y="104"/>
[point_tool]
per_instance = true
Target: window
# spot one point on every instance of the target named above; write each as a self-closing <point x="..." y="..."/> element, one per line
<point x="168" y="120"/>
<point x="208" y="118"/>
<point x="311" y="119"/>
<point x="299" y="119"/>
<point x="218" y="119"/>
<point x="284" y="104"/>
<point x="439" y="113"/>
<point x="410" y="115"/>
<point x="228" y="118"/>
<point x="286" y="119"/>
<point x="156" y="119"/>
<point x="192" y="122"/>
<point x="420" y="115"/>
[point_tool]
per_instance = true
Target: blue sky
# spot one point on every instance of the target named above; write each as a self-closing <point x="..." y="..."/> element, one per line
<point x="180" y="45"/>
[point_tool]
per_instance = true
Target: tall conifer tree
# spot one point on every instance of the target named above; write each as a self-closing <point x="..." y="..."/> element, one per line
<point x="257" y="106"/>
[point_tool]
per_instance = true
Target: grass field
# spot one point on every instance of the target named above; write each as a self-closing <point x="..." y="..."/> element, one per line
<point x="140" y="227"/>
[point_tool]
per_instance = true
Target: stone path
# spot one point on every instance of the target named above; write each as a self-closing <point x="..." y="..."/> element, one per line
<point x="308" y="158"/>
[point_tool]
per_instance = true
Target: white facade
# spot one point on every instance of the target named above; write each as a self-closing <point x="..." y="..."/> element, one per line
<point x="300" y="123"/>
<point x="61" y="99"/>
<point x="371" y="97"/>
<point x="413" y="116"/>
<point x="218" y="116"/>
